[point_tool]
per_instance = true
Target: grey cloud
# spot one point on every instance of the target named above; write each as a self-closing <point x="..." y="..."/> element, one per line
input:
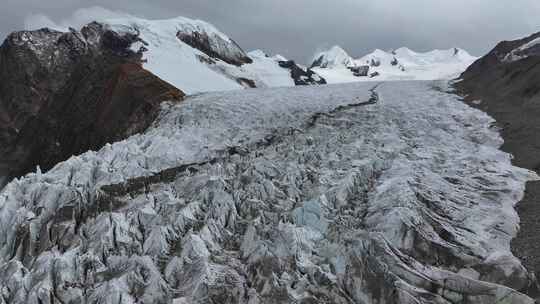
<point x="297" y="28"/>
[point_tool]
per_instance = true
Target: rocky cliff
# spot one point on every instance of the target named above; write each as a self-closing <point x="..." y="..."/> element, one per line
<point x="64" y="93"/>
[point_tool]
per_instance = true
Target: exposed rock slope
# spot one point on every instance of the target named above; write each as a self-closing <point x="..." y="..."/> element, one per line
<point x="339" y="194"/>
<point x="505" y="83"/>
<point x="62" y="94"/>
<point x="190" y="54"/>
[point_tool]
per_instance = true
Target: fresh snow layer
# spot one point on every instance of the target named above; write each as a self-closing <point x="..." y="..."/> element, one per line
<point x="171" y="59"/>
<point x="408" y="65"/>
<point x="337" y="194"/>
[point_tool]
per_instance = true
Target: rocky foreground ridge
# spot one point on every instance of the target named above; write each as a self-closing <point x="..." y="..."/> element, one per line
<point x="504" y="83"/>
<point x="62" y="94"/>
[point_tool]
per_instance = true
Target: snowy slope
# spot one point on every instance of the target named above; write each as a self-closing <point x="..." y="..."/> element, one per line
<point x="404" y="64"/>
<point x="336" y="194"/>
<point x="181" y="64"/>
<point x="268" y="70"/>
<point x="173" y="60"/>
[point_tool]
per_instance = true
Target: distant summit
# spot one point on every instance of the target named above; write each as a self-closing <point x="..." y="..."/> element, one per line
<point x="334" y="57"/>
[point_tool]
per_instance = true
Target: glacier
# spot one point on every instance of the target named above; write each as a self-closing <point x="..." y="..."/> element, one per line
<point x="353" y="193"/>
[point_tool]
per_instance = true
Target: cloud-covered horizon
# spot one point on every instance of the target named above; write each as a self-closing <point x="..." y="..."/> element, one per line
<point x="298" y="29"/>
<point x="77" y="19"/>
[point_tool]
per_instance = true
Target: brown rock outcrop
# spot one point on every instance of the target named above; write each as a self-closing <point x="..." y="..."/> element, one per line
<point x="65" y="93"/>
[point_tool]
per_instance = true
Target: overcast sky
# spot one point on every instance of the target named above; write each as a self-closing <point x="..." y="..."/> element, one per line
<point x="298" y="28"/>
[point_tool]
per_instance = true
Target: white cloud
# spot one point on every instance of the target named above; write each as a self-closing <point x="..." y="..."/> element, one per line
<point x="37" y="21"/>
<point x="78" y="19"/>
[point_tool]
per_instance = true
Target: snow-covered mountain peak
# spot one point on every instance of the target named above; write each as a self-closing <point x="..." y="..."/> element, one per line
<point x="191" y="54"/>
<point x="334" y="57"/>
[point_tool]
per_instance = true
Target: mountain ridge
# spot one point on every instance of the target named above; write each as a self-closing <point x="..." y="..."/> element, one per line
<point x="399" y="64"/>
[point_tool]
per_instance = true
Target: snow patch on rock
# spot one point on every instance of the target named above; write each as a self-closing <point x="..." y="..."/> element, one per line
<point x="528" y="49"/>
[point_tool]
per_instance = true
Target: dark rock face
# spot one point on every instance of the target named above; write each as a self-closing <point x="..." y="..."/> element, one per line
<point x="318" y="62"/>
<point x="301" y="76"/>
<point x="65" y="93"/>
<point x="360" y="71"/>
<point x="215" y="47"/>
<point x="509" y="90"/>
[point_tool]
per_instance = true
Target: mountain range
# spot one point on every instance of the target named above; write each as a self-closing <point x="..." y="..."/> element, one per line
<point x="336" y="66"/>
